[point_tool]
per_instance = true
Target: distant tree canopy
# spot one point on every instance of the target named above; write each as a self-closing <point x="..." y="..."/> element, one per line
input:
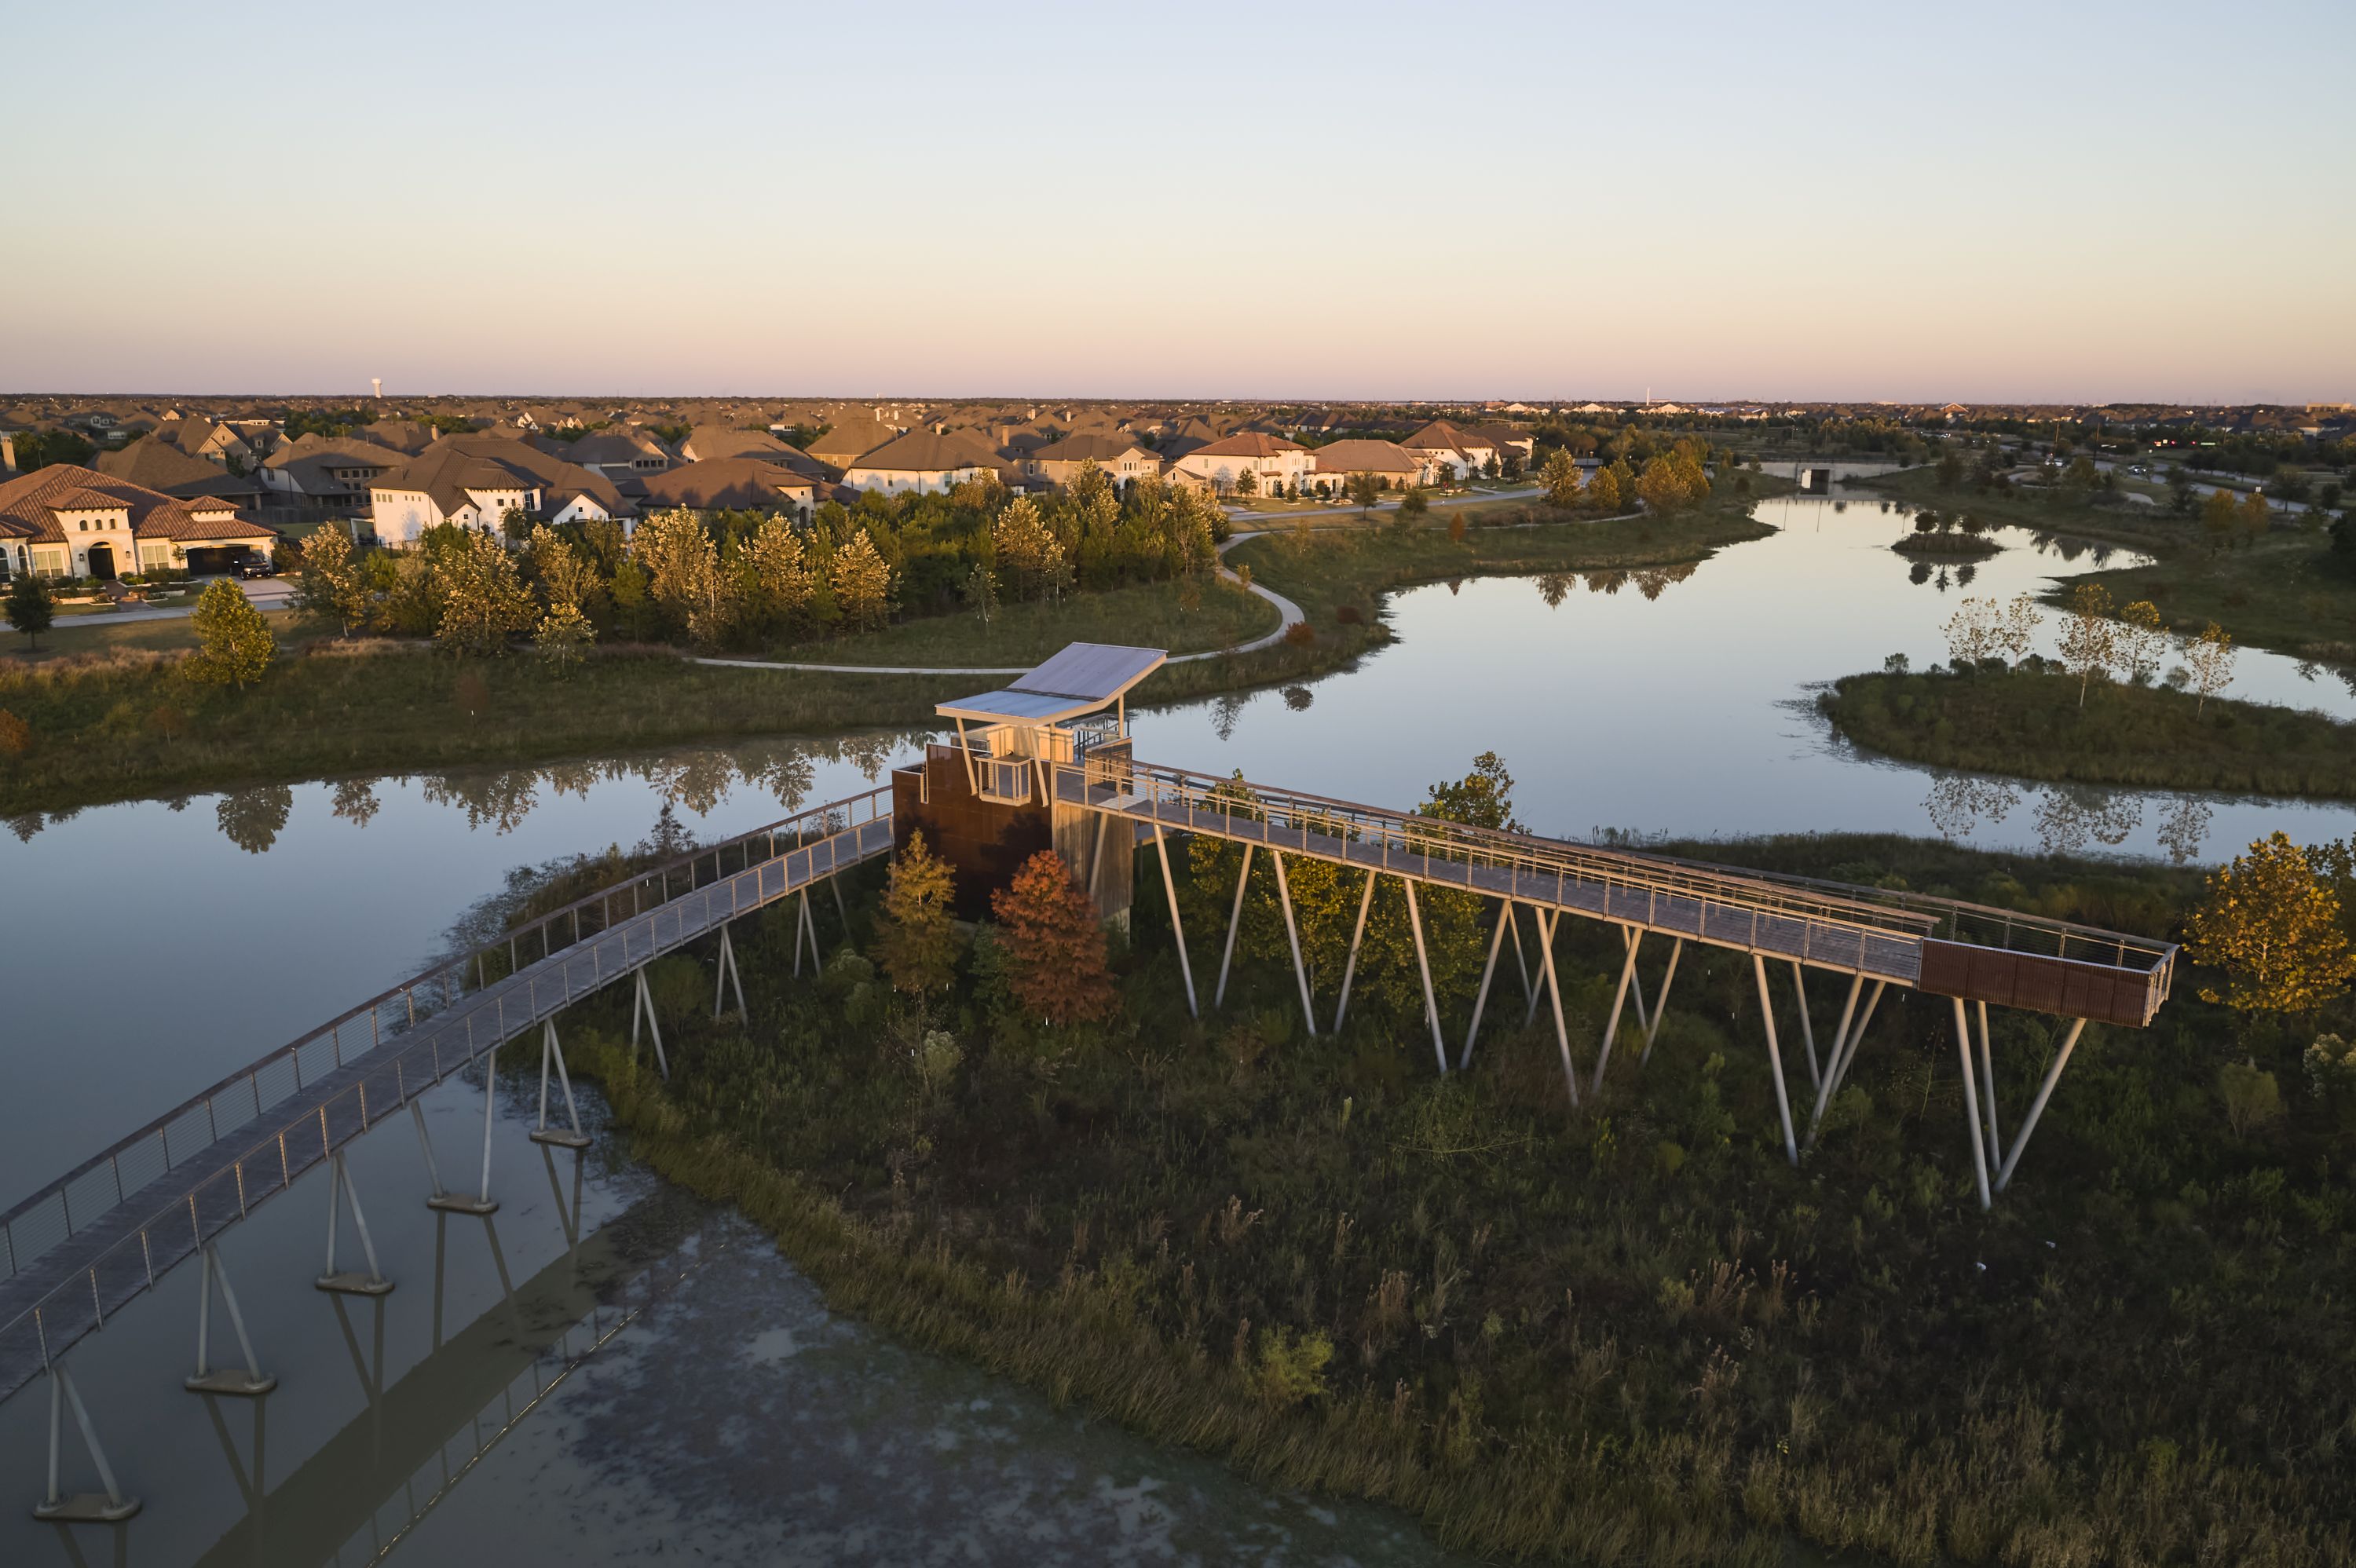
<point x="40" y="449"/>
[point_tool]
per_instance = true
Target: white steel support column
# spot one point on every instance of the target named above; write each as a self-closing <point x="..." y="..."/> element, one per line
<point x="1807" y="1025"/>
<point x="1481" y="997"/>
<point x="1235" y="920"/>
<point x="79" y="1508"/>
<point x="1631" y="936"/>
<point x="1987" y="1087"/>
<point x="2037" y="1107"/>
<point x="458" y="1203"/>
<point x="1775" y="1058"/>
<point x="551" y="1050"/>
<point x="1292" y="934"/>
<point x="340" y="1192"/>
<point x="842" y="912"/>
<point x="1423" y="964"/>
<point x="1170" y="885"/>
<point x="1350" y="968"/>
<point x="1661" y="1002"/>
<point x="1971" y="1101"/>
<point x="724" y="974"/>
<point x="1553" y="986"/>
<point x="1619" y="999"/>
<point x="643" y="1002"/>
<point x="1522" y="961"/>
<point x="1844" y="1053"/>
<point x="249" y="1383"/>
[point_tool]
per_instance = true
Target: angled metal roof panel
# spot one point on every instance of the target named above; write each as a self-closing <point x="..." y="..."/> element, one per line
<point x="1018" y="707"/>
<point x="1097" y="672"/>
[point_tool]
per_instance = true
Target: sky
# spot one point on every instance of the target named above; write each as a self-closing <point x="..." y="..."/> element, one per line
<point x="2081" y="202"/>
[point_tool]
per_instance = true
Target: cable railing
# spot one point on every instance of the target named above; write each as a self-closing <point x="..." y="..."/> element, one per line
<point x="157" y="1196"/>
<point x="1403" y="840"/>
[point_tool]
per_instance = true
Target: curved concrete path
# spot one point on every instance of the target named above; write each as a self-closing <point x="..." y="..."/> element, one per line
<point x="1288" y="615"/>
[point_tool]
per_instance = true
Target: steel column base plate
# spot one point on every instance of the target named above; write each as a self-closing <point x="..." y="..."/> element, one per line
<point x="86" y="1508"/>
<point x="237" y="1383"/>
<point x="451" y="1204"/>
<point x="353" y="1285"/>
<point x="556" y="1140"/>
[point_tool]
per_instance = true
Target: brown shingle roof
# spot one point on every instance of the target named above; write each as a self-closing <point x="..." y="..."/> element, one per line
<point x="728" y="484"/>
<point x="1249" y="443"/>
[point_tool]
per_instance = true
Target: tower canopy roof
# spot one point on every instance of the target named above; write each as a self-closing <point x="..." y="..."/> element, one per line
<point x="1082" y="679"/>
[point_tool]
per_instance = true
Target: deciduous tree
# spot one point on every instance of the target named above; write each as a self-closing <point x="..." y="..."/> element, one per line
<point x="861" y="584"/>
<point x="1025" y="551"/>
<point x="777" y="581"/>
<point x="2273" y="925"/>
<point x="327" y="586"/>
<point x="483" y="599"/>
<point x="2210" y="659"/>
<point x="234" y="645"/>
<point x="2143" y="640"/>
<point x="1054" y="944"/>
<point x="2089" y="636"/>
<point x="914" y="939"/>
<point x="1560" y="477"/>
<point x="28" y="607"/>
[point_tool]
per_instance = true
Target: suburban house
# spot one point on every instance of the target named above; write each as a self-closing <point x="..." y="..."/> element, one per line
<point x="1393" y="465"/>
<point x="1453" y="450"/>
<point x="850" y="441"/>
<point x="733" y="484"/>
<point x="150" y="462"/>
<point x="199" y="437"/>
<point x="69" y="521"/>
<point x="921" y="462"/>
<point x="1121" y="459"/>
<point x="616" y="454"/>
<point x="335" y="472"/>
<point x="1270" y="459"/>
<point x="1509" y="442"/>
<point x="473" y="481"/>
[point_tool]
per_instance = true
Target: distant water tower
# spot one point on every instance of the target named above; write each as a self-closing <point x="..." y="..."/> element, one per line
<point x="376" y="388"/>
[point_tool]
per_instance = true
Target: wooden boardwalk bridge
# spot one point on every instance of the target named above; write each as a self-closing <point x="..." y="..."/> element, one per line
<point x="1050" y="763"/>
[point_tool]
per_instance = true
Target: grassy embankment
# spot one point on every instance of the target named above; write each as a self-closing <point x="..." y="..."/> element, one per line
<point x="2275" y="592"/>
<point x="2031" y="726"/>
<point x="124" y="724"/>
<point x="1627" y="1335"/>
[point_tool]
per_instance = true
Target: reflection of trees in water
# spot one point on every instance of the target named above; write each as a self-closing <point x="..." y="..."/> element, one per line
<point x="1299" y="698"/>
<point x="501" y="800"/>
<point x="253" y="819"/>
<point x="2184" y="830"/>
<point x="25" y="827"/>
<point x="1554" y="587"/>
<point x="1958" y="803"/>
<point x="1227" y="711"/>
<point x="355" y="802"/>
<point x="1918" y="573"/>
<point x="2070" y="815"/>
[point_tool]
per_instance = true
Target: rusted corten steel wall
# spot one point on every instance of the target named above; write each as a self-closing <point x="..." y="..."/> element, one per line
<point x="983" y="841"/>
<point x="2038" y="984"/>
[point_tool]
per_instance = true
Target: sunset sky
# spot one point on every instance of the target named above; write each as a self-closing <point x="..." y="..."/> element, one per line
<point x="1986" y="202"/>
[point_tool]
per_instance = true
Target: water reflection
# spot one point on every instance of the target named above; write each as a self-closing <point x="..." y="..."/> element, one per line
<point x="499" y="799"/>
<point x="1690" y="713"/>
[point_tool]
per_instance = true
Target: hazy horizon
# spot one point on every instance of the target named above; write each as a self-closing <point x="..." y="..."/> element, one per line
<point x="2011" y="204"/>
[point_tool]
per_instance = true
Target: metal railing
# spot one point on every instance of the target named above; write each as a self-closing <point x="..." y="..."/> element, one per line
<point x="156" y="1195"/>
<point x="1428" y="846"/>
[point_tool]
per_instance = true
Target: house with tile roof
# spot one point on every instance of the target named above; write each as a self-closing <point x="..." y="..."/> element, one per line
<point x="334" y="472"/>
<point x="1451" y="450"/>
<point x="69" y="521"/>
<point x="734" y="485"/>
<point x="1392" y="465"/>
<point x="1121" y="459"/>
<point x="1221" y="464"/>
<point x="156" y="464"/>
<point x="473" y="481"/>
<point x="924" y="462"/>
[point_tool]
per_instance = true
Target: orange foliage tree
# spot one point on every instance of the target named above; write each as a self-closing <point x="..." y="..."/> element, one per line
<point x="1055" y="947"/>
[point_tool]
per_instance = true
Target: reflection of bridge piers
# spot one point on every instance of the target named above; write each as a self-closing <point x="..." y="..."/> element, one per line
<point x="1050" y="765"/>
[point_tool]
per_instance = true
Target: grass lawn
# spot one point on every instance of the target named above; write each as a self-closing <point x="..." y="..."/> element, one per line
<point x="2277" y="593"/>
<point x="125" y="724"/>
<point x="2030" y="726"/>
<point x="1023" y="634"/>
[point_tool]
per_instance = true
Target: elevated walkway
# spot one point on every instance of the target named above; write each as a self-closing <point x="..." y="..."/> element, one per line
<point x="82" y="1247"/>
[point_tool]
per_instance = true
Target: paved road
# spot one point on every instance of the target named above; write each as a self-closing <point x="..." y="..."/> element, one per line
<point x="266" y="593"/>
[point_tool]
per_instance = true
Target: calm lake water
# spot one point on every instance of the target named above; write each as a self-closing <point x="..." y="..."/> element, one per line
<point x="646" y="1374"/>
